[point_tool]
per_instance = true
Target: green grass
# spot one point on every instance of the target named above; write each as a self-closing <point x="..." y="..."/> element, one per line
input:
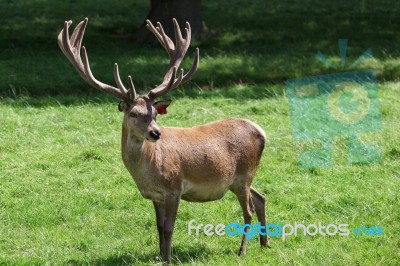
<point x="67" y="199"/>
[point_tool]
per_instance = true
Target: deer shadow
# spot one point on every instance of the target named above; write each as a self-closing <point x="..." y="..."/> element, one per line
<point x="180" y="255"/>
<point x="250" y="92"/>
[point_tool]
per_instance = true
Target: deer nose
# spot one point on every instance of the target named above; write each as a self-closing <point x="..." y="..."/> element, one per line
<point x="155" y="134"/>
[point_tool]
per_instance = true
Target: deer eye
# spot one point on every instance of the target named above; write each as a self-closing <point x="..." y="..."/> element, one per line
<point x="133" y="115"/>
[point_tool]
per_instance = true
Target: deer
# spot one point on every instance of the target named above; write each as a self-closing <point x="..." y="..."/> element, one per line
<point x="196" y="164"/>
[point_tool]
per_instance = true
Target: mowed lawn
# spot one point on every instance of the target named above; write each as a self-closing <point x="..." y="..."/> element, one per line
<point x="66" y="198"/>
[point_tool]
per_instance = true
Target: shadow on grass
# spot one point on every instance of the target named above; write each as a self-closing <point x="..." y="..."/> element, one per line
<point x="179" y="255"/>
<point x="238" y="92"/>
<point x="258" y="42"/>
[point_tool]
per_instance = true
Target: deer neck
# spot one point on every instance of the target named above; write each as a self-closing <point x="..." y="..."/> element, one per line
<point x="134" y="151"/>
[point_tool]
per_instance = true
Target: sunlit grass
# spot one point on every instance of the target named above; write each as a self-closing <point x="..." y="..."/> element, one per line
<point x="66" y="197"/>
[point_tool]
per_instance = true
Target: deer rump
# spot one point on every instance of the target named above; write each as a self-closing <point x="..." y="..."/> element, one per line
<point x="197" y="161"/>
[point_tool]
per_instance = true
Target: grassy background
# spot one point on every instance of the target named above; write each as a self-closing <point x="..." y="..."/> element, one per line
<point x="65" y="196"/>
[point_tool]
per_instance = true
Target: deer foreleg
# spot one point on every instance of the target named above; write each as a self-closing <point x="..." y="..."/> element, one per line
<point x="171" y="210"/>
<point x="160" y="216"/>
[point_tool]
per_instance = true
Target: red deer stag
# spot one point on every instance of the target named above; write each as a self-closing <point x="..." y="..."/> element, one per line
<point x="196" y="164"/>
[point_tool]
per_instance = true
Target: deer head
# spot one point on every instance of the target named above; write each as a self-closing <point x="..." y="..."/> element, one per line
<point x="140" y="111"/>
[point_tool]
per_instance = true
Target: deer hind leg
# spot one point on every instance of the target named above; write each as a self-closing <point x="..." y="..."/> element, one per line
<point x="259" y="205"/>
<point x="242" y="192"/>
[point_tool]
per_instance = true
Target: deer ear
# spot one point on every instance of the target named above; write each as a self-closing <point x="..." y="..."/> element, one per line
<point x="122" y="106"/>
<point x="161" y="106"/>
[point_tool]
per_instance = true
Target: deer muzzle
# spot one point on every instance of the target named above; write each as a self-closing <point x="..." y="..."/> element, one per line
<point x="154" y="135"/>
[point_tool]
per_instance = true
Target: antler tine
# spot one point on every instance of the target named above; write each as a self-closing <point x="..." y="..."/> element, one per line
<point x="188" y="34"/>
<point x="132" y="91"/>
<point x="176" y="53"/>
<point x="169" y="44"/>
<point x="68" y="50"/>
<point x="161" y="90"/>
<point x="194" y="67"/>
<point x="120" y="85"/>
<point x="178" y="34"/>
<point x="151" y="28"/>
<point x="179" y="79"/>
<point x="60" y="37"/>
<point x="77" y="34"/>
<point x="71" y="47"/>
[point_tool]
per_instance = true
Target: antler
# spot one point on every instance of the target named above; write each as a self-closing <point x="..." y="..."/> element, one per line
<point x="71" y="47"/>
<point x="176" y="54"/>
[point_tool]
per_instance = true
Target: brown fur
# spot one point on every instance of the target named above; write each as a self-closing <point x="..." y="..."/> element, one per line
<point x="194" y="160"/>
<point x="195" y="164"/>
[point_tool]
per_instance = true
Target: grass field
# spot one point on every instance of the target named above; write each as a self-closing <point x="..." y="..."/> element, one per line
<point x="67" y="199"/>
